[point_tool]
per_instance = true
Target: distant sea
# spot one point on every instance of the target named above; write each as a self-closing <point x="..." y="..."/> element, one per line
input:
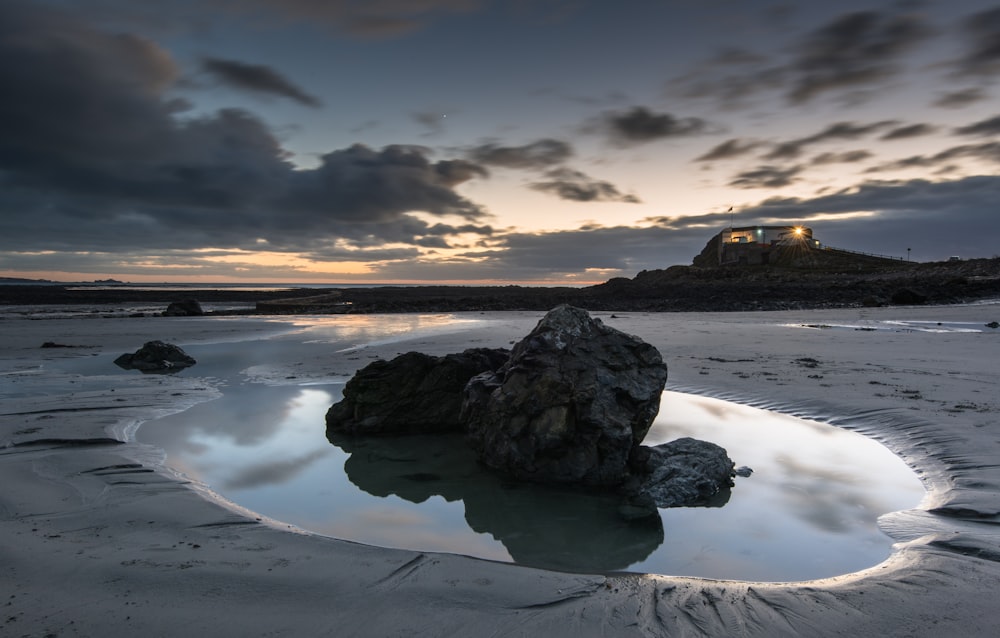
<point x="265" y="287"/>
<point x="211" y="286"/>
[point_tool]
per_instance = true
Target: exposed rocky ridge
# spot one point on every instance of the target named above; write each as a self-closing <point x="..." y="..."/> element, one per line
<point x="853" y="283"/>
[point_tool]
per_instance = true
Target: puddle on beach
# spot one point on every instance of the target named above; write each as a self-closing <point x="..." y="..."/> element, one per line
<point x="808" y="511"/>
<point x="899" y="325"/>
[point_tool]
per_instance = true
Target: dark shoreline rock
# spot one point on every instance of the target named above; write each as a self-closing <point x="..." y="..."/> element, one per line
<point x="413" y="393"/>
<point x="185" y="308"/>
<point x="156" y="357"/>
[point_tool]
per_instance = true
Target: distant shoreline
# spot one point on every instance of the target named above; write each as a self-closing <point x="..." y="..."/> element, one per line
<point x="676" y="289"/>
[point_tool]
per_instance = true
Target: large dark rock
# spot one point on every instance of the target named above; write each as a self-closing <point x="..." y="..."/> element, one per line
<point x="156" y="357"/>
<point x="572" y="403"/>
<point x="185" y="308"/>
<point x="413" y="393"/>
<point x="682" y="473"/>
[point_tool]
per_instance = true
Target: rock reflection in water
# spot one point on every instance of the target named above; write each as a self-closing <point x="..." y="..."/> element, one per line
<point x="541" y="526"/>
<point x="808" y="511"/>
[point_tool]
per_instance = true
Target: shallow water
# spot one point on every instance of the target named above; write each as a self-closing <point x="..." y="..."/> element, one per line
<point x="808" y="511"/>
<point x="899" y="325"/>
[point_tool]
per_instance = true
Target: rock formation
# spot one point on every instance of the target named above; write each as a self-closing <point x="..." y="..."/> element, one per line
<point x="681" y="473"/>
<point x="413" y="393"/>
<point x="572" y="403"/>
<point x="568" y="405"/>
<point x="156" y="357"/>
<point x="186" y="308"/>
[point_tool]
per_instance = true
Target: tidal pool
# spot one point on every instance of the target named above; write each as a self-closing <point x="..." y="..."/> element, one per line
<point x="809" y="510"/>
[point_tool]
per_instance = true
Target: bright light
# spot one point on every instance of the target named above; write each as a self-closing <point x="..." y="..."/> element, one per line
<point x="798" y="230"/>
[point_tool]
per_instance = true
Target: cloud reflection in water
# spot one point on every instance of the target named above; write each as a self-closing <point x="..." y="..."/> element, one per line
<point x="808" y="511"/>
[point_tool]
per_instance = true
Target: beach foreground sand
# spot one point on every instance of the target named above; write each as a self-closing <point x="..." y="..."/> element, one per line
<point x="98" y="538"/>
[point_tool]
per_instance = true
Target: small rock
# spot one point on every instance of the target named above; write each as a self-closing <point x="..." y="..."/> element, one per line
<point x="993" y="324"/>
<point x="185" y="308"/>
<point x="156" y="357"/>
<point x="681" y="473"/>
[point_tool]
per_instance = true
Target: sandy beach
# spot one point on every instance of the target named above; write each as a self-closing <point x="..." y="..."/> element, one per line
<point x="98" y="536"/>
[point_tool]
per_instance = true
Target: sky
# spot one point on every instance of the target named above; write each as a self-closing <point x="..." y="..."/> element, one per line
<point x="485" y="141"/>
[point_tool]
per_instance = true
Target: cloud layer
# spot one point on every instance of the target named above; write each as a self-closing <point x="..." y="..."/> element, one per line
<point x="121" y="151"/>
<point x="97" y="151"/>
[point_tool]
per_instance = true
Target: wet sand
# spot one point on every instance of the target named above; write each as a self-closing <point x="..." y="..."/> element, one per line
<point x="95" y="533"/>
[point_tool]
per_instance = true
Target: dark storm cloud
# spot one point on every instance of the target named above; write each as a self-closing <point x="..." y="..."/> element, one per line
<point x="847" y="157"/>
<point x="367" y="186"/>
<point x="729" y="149"/>
<point x="94" y="141"/>
<point x="793" y="149"/>
<point x="981" y="33"/>
<point x="536" y="155"/>
<point x="639" y="125"/>
<point x="936" y="219"/>
<point x="256" y="78"/>
<point x="854" y="50"/>
<point x="447" y="229"/>
<point x="732" y="91"/>
<point x="908" y="131"/>
<point x="961" y="99"/>
<point x="899" y="197"/>
<point x="986" y="127"/>
<point x="561" y="181"/>
<point x="625" y="248"/>
<point x="576" y="186"/>
<point x="766" y="177"/>
<point x="451" y="173"/>
<point x="989" y="152"/>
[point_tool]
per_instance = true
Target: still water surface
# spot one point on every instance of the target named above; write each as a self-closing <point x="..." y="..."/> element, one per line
<point x="808" y="511"/>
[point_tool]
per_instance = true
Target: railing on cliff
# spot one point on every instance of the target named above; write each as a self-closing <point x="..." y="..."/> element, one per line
<point x="857" y="252"/>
